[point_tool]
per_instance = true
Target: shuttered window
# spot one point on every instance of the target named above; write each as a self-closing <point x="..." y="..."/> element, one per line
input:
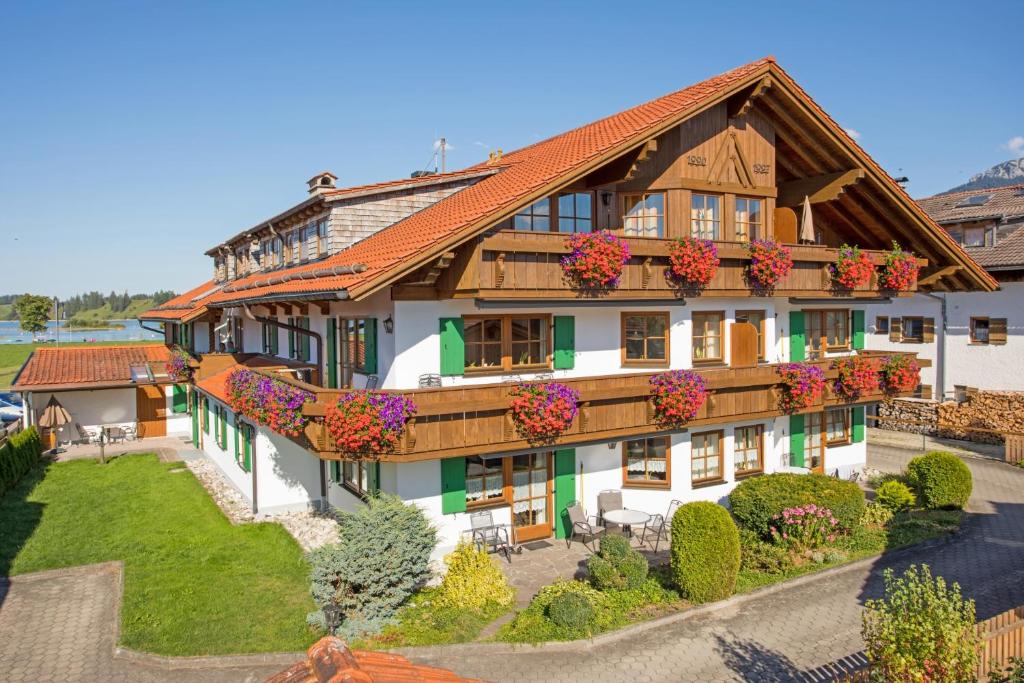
<point x="988" y="330"/>
<point x="997" y="330"/>
<point x="453" y="346"/>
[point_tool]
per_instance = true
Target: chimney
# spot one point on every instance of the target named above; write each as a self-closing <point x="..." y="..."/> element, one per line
<point x="321" y="182"/>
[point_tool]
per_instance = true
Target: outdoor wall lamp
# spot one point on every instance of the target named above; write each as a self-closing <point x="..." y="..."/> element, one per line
<point x="389" y="325"/>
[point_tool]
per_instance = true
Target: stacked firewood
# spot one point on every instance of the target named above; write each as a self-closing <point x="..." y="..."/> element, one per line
<point x="983" y="416"/>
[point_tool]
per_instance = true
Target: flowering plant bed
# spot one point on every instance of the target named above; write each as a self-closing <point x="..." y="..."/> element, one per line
<point x="853" y="268"/>
<point x="805" y="527"/>
<point x="802" y="386"/>
<point x="677" y="396"/>
<point x="858" y="376"/>
<point x="900" y="374"/>
<point x="268" y="401"/>
<point x="178" y="368"/>
<point x="368" y="423"/>
<point x="769" y="263"/>
<point x="899" y="273"/>
<point x="541" y="412"/>
<point x="692" y="262"/>
<point x="595" y="260"/>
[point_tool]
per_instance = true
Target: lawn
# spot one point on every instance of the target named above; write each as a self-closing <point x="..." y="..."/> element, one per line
<point x="194" y="584"/>
<point x="13" y="356"/>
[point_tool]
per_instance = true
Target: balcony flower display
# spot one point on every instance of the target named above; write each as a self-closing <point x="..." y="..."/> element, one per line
<point x="899" y="273"/>
<point x="268" y="401"/>
<point x="853" y="268"/>
<point x="692" y="262"/>
<point x="595" y="259"/>
<point x="541" y="412"/>
<point x="178" y="368"/>
<point x="858" y="376"/>
<point x="802" y="386"/>
<point x="368" y="423"/>
<point x="769" y="263"/>
<point x="900" y="374"/>
<point x="677" y="396"/>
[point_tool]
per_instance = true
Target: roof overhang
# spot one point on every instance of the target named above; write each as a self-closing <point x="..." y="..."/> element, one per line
<point x="324" y="295"/>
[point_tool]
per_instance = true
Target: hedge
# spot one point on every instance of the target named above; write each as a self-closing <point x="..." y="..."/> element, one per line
<point x="705" y="551"/>
<point x="17" y="456"/>
<point x="940" y="479"/>
<point x="755" y="501"/>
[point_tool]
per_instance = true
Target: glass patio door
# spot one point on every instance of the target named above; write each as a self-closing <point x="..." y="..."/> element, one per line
<point x="531" y="496"/>
<point x="814" y="442"/>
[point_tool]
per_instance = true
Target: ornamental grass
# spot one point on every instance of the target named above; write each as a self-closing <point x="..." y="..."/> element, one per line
<point x="769" y="263"/>
<point x="692" y="262"/>
<point x="542" y="412"/>
<point x="853" y="268"/>
<point x="899" y="374"/>
<point x="677" y="396"/>
<point x="267" y="401"/>
<point x="857" y="377"/>
<point x="368" y="423"/>
<point x="595" y="260"/>
<point x="899" y="274"/>
<point x="802" y="386"/>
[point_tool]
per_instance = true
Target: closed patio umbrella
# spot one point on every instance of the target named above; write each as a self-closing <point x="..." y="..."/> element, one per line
<point x="807" y="222"/>
<point x="54" y="417"/>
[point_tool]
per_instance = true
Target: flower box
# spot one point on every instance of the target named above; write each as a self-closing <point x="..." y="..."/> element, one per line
<point x="692" y="262"/>
<point x="368" y="423"/>
<point x="769" y="263"/>
<point x="801" y="387"/>
<point x="179" y="367"/>
<point x="899" y="274"/>
<point x="899" y="374"/>
<point x="267" y="401"/>
<point x="852" y="269"/>
<point x="857" y="377"/>
<point x="595" y="260"/>
<point x="542" y="412"/>
<point x="677" y="396"/>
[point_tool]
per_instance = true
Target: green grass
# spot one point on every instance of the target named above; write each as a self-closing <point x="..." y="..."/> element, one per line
<point x="194" y="584"/>
<point x="424" y="622"/>
<point x="13" y="356"/>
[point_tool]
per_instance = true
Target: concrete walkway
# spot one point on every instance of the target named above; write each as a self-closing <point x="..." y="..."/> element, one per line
<point x="791" y="633"/>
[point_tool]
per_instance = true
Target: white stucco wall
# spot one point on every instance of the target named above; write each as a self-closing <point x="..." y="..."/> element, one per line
<point x="92" y="409"/>
<point x="915" y="306"/>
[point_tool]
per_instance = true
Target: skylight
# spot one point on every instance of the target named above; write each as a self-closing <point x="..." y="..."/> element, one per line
<point x="976" y="200"/>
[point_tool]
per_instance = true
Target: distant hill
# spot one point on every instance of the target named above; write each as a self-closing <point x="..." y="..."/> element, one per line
<point x="95" y="308"/>
<point x="1007" y="173"/>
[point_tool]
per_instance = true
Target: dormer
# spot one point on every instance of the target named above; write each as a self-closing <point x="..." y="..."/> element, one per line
<point x="321" y="182"/>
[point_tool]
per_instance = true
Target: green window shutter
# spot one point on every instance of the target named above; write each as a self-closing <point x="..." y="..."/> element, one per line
<point x="305" y="340"/>
<point x="179" y="399"/>
<point x="797" y="340"/>
<point x="857" y="424"/>
<point x="332" y="353"/>
<point x="206" y="415"/>
<point x="370" y="346"/>
<point x="857" y="326"/>
<point x="565" y="490"/>
<point x="453" y="346"/>
<point x="195" y="419"/>
<point x="236" y="438"/>
<point x="796" y="440"/>
<point x="291" y="339"/>
<point x="336" y="471"/>
<point x="373" y="477"/>
<point x="224" y="428"/>
<point x="565" y="342"/>
<point x="453" y="484"/>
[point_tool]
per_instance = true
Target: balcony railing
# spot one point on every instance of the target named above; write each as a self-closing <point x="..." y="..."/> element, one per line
<point x="476" y="420"/>
<point x="526" y="265"/>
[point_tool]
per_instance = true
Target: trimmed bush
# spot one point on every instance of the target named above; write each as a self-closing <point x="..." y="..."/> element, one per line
<point x="895" y="495"/>
<point x="705" y="551"/>
<point x="473" y="581"/>
<point x="876" y="515"/>
<point x="760" y="556"/>
<point x="17" y="456"/>
<point x="571" y="610"/>
<point x="756" y="501"/>
<point x="940" y="479"/>
<point x="617" y="566"/>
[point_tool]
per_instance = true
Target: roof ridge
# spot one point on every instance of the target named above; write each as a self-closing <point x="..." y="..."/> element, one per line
<point x="989" y="190"/>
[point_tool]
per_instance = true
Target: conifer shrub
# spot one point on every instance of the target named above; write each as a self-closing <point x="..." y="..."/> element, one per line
<point x="571" y="610"/>
<point x="617" y="566"/>
<point x="755" y="502"/>
<point x="17" y="456"/>
<point x="705" y="551"/>
<point x="940" y="479"/>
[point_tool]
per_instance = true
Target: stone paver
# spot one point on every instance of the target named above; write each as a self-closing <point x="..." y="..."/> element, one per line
<point x="789" y="634"/>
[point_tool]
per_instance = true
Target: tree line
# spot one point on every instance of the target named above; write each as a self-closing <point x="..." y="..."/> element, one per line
<point x="33" y="310"/>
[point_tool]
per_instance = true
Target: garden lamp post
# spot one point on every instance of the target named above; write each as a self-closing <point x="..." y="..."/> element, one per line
<point x="332" y="614"/>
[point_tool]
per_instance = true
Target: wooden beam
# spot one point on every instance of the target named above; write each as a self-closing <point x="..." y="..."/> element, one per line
<point x="821" y="188"/>
<point x="741" y="103"/>
<point x="648" y="150"/>
<point x="937" y="275"/>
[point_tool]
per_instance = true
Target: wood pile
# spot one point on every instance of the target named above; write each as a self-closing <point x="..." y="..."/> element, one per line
<point x="983" y="416"/>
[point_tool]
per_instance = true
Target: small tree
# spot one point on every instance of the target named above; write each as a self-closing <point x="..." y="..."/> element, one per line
<point x="33" y="312"/>
<point x="922" y="631"/>
<point x="381" y="557"/>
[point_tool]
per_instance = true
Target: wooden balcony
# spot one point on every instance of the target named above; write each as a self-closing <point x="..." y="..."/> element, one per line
<point x="476" y="420"/>
<point x="510" y="265"/>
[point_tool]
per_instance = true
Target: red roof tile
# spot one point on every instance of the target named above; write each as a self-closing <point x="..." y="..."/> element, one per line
<point x="185" y="306"/>
<point x="88" y="365"/>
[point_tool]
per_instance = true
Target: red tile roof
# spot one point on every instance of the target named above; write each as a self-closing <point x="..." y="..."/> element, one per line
<point x="184" y="307"/>
<point x="86" y="366"/>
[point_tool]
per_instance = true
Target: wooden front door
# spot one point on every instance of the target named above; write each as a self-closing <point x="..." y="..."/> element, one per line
<point x="531" y="496"/>
<point x="151" y="410"/>
<point x="742" y="345"/>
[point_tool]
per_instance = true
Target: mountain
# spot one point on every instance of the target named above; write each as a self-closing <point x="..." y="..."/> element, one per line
<point x="1007" y="173"/>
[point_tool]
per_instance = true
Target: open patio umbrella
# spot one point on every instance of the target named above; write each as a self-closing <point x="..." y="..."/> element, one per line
<point x="807" y="222"/>
<point x="54" y="417"/>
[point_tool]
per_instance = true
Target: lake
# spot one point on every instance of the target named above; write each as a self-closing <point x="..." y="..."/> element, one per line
<point x="10" y="333"/>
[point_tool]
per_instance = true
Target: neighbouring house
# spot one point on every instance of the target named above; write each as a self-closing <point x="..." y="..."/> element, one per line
<point x="449" y="290"/>
<point x="104" y="386"/>
<point x="975" y="339"/>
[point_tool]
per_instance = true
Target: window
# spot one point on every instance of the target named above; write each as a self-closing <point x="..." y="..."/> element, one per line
<point x="645" y="338"/>
<point x="536" y="217"/>
<point x="882" y="324"/>
<point x="645" y="462"/>
<point x="576" y="212"/>
<point x="307" y="242"/>
<point x="837" y="426"/>
<point x="826" y="331"/>
<point x="356" y="348"/>
<point x="485" y="481"/>
<point x="706" y="457"/>
<point x="755" y="318"/>
<point x="643" y="215"/>
<point x="707" y="336"/>
<point x="355" y="476"/>
<point x="321" y="237"/>
<point x="507" y="342"/>
<point x="913" y="330"/>
<point x="299" y="343"/>
<point x="220" y="426"/>
<point x="748" y="219"/>
<point x="749" y="449"/>
<point x="241" y="261"/>
<point x="814" y="453"/>
<point x="705" y="216"/>
<point x="974" y="237"/>
<point x="979" y="331"/>
<point x="270" y="338"/>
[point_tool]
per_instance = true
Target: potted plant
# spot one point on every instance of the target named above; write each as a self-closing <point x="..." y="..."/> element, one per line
<point x="852" y="268"/>
<point x="899" y="374"/>
<point x="542" y="412"/>
<point x="368" y="423"/>
<point x="801" y="386"/>
<point x="692" y="262"/>
<point x="769" y="263"/>
<point x="179" y="367"/>
<point x="899" y="273"/>
<point x="595" y="260"/>
<point x="857" y="377"/>
<point x="677" y="396"/>
<point x="268" y="401"/>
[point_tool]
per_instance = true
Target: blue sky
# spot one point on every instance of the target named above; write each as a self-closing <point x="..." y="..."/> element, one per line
<point x="135" y="135"/>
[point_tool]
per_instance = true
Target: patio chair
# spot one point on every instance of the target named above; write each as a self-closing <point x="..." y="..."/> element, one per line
<point x="86" y="435"/>
<point x="430" y="380"/>
<point x="488" y="534"/>
<point x="131" y="432"/>
<point x="660" y="525"/>
<point x="371" y="381"/>
<point x="583" y="526"/>
<point x="609" y="499"/>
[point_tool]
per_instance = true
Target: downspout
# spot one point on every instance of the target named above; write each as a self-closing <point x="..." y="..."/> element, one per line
<point x="940" y="351"/>
<point x="317" y="337"/>
<point x="152" y="329"/>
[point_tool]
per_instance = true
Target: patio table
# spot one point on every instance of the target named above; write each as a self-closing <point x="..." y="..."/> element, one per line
<point x="627" y="518"/>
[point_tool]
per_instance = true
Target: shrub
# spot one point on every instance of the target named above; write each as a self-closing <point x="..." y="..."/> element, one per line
<point x="755" y="501"/>
<point x="940" y="479"/>
<point x="472" y="581"/>
<point x="876" y="515"/>
<point x="1013" y="672"/>
<point x="381" y="557"/>
<point x="758" y="555"/>
<point x="804" y="527"/>
<point x="17" y="456"/>
<point x="895" y="495"/>
<point x="922" y="630"/>
<point x="705" y="551"/>
<point x="616" y="566"/>
<point x="571" y="610"/>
